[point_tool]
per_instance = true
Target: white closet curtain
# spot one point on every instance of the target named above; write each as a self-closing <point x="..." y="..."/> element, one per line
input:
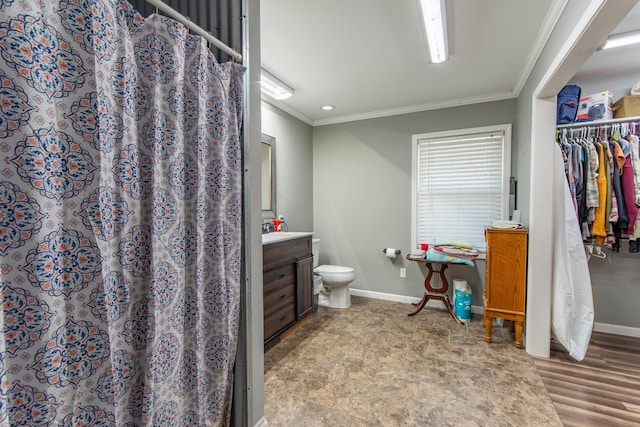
<point x="572" y="298"/>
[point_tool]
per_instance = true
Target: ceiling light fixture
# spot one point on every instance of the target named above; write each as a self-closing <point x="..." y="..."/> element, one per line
<point x="327" y="107"/>
<point x="623" y="39"/>
<point x="435" y="26"/>
<point x="274" y="87"/>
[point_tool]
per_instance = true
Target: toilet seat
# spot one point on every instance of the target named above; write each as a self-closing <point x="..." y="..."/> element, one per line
<point x="330" y="269"/>
<point x="335" y="274"/>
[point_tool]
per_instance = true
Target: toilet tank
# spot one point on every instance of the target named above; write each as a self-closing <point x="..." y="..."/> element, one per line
<point x="315" y="250"/>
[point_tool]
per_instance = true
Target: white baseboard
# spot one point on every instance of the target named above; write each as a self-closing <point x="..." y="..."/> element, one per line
<point x="607" y="328"/>
<point x="403" y="299"/>
<point x="262" y="422"/>
<point x="598" y="327"/>
<point x="383" y="296"/>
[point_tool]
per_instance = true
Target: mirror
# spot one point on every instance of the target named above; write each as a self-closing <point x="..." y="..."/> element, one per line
<point x="268" y="145"/>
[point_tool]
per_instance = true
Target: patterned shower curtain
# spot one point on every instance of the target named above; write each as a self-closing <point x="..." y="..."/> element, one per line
<point x="120" y="218"/>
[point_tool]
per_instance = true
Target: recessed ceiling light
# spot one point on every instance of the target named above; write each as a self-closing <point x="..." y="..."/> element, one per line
<point x="328" y="107"/>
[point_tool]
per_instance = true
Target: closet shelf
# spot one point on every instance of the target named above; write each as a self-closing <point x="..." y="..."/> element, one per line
<point x="596" y="123"/>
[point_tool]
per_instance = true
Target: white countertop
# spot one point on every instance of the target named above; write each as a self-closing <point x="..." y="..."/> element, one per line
<point x="283" y="235"/>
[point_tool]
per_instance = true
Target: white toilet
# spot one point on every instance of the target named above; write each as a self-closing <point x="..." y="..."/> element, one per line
<point x="335" y="280"/>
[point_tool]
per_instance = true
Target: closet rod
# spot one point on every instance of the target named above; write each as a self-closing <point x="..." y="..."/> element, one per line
<point x="597" y="123"/>
<point x="172" y="13"/>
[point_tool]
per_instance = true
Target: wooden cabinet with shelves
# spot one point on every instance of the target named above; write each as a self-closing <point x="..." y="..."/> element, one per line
<point x="505" y="279"/>
<point x="287" y="284"/>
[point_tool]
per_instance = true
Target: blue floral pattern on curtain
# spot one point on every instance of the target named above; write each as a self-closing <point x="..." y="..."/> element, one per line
<point x="120" y="218"/>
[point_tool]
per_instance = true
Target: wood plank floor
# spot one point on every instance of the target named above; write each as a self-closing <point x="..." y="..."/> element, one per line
<point x="601" y="390"/>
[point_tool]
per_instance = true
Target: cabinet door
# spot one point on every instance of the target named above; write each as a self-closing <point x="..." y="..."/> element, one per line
<point x="506" y="270"/>
<point x="304" y="301"/>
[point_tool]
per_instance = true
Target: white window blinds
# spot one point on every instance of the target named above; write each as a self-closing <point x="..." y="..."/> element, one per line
<point x="460" y="185"/>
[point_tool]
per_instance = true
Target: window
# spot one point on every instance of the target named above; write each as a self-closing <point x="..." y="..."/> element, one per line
<point x="460" y="184"/>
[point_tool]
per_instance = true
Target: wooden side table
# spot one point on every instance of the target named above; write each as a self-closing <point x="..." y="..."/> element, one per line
<point x="439" y="293"/>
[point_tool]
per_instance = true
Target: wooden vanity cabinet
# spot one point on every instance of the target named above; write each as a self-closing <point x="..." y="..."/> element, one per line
<point x="505" y="278"/>
<point x="287" y="284"/>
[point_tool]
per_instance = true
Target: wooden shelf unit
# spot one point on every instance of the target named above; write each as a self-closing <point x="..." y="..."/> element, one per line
<point x="505" y="278"/>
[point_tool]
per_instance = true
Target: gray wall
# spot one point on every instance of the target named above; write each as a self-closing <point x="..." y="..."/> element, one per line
<point x="616" y="288"/>
<point x="294" y="166"/>
<point x="362" y="194"/>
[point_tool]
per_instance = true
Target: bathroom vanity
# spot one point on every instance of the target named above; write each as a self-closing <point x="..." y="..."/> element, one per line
<point x="287" y="280"/>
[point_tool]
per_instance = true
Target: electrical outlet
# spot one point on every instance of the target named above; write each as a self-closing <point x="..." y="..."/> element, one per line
<point x="403" y="273"/>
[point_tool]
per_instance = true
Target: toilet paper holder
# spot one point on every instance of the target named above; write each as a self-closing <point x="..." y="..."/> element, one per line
<point x="397" y="251"/>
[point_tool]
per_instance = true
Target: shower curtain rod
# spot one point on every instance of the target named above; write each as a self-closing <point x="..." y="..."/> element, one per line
<point x="172" y="13"/>
<point x="599" y="123"/>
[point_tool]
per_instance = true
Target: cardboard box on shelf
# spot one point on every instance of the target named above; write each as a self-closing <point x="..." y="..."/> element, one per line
<point x="595" y="107"/>
<point x="627" y="106"/>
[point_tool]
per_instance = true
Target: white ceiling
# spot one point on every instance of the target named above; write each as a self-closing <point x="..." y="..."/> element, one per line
<point x="368" y="58"/>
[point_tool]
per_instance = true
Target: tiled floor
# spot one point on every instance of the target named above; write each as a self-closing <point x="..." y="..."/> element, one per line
<point x="372" y="365"/>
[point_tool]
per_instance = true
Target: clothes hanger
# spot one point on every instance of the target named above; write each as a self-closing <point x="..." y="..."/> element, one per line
<point x="577" y="138"/>
<point x="564" y="143"/>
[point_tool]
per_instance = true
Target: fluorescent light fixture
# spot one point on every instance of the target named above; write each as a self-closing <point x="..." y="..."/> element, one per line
<point x="623" y="39"/>
<point x="435" y="26"/>
<point x="274" y="87"/>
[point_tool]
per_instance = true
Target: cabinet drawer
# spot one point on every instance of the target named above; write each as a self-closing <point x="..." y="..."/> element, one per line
<point x="282" y="297"/>
<point x="278" y="277"/>
<point x="279" y="320"/>
<point x="286" y="252"/>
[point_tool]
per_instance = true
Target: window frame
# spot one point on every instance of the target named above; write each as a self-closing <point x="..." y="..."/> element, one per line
<point x="506" y="170"/>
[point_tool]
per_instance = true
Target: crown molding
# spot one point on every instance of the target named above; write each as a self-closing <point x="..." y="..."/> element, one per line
<point x="287" y="109"/>
<point x="498" y="96"/>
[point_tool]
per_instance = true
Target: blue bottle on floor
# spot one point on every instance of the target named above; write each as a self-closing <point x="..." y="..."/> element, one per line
<point x="463" y="304"/>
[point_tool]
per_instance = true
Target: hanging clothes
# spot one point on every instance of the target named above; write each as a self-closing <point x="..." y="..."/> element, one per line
<point x="578" y="176"/>
<point x="602" y="169"/>
<point x="599" y="230"/>
<point x="623" y="218"/>
<point x="628" y="194"/>
<point x="611" y="242"/>
<point x="635" y="164"/>
<point x="606" y="176"/>
<point x="569" y="169"/>
<point x="591" y="173"/>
